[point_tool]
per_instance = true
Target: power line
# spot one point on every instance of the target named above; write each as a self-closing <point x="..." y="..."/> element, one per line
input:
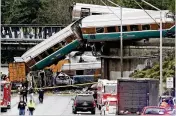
<point x="113" y="3"/>
<point x="145" y="11"/>
<point x="121" y="38"/>
<point x="110" y="9"/>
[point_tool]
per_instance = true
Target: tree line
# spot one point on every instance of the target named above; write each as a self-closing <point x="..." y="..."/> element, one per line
<point x="57" y="11"/>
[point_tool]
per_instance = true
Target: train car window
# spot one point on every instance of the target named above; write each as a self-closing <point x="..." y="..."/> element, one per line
<point x="85" y="12"/>
<point x="145" y="27"/>
<point x="100" y="30"/>
<point x="47" y="53"/>
<point x="124" y="28"/>
<point x="68" y="40"/>
<point x="50" y="51"/>
<point x="73" y="37"/>
<point x="96" y="13"/>
<point x="134" y="27"/>
<point x="43" y="55"/>
<point x="111" y="29"/>
<point x="57" y="46"/>
<point x="79" y="72"/>
<point x="37" y="59"/>
<point x="63" y="43"/>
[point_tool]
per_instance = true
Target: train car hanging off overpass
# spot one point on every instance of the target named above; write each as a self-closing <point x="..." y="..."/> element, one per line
<point x="98" y="28"/>
<point x="54" y="48"/>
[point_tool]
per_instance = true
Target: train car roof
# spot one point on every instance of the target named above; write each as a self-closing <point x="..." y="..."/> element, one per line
<point x="139" y="17"/>
<point x="103" y="9"/>
<point x="81" y="66"/>
<point x="107" y="82"/>
<point x="54" y="39"/>
<point x="82" y="76"/>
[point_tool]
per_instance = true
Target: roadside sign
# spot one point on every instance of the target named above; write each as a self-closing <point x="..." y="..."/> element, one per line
<point x="170" y="82"/>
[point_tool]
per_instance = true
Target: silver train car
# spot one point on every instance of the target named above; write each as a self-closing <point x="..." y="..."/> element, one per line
<point x="136" y="26"/>
<point x="80" y="10"/>
<point x="54" y="48"/>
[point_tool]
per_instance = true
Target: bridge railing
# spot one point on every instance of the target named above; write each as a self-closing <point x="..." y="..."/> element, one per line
<point x="26" y="31"/>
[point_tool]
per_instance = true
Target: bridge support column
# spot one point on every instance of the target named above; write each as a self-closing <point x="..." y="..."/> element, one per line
<point x="111" y="68"/>
<point x="133" y="59"/>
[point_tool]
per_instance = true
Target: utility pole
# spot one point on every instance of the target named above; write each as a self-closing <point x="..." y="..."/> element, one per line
<point x="175" y="63"/>
<point x="121" y="36"/>
<point x="121" y="44"/>
<point x="161" y="43"/>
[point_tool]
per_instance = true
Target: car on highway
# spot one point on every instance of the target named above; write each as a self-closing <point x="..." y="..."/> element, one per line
<point x="170" y="100"/>
<point x="84" y="103"/>
<point x="154" y="110"/>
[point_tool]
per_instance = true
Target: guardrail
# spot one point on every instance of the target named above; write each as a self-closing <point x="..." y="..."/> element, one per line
<point x="26" y="31"/>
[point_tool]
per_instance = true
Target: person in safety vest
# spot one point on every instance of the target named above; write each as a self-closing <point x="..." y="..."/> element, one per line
<point x="164" y="104"/>
<point x="31" y="107"/>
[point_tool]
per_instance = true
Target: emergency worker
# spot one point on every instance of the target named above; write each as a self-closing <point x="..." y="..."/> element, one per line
<point x="21" y="107"/>
<point x="24" y="91"/>
<point x="20" y="92"/>
<point x="31" y="92"/>
<point x="31" y="107"/>
<point x="41" y="95"/>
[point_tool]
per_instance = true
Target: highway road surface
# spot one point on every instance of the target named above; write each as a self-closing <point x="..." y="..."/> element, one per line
<point x="53" y="105"/>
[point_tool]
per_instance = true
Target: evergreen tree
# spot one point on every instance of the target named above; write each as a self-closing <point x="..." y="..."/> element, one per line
<point x="28" y="12"/>
<point x="171" y="6"/>
<point x="161" y="4"/>
<point x="57" y="11"/>
<point x="8" y="7"/>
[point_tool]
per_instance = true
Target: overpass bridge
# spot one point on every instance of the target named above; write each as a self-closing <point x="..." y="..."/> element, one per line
<point x="18" y="38"/>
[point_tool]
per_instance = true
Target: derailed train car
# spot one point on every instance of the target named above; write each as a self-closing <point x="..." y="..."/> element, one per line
<point x="54" y="48"/>
<point x="98" y="28"/>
